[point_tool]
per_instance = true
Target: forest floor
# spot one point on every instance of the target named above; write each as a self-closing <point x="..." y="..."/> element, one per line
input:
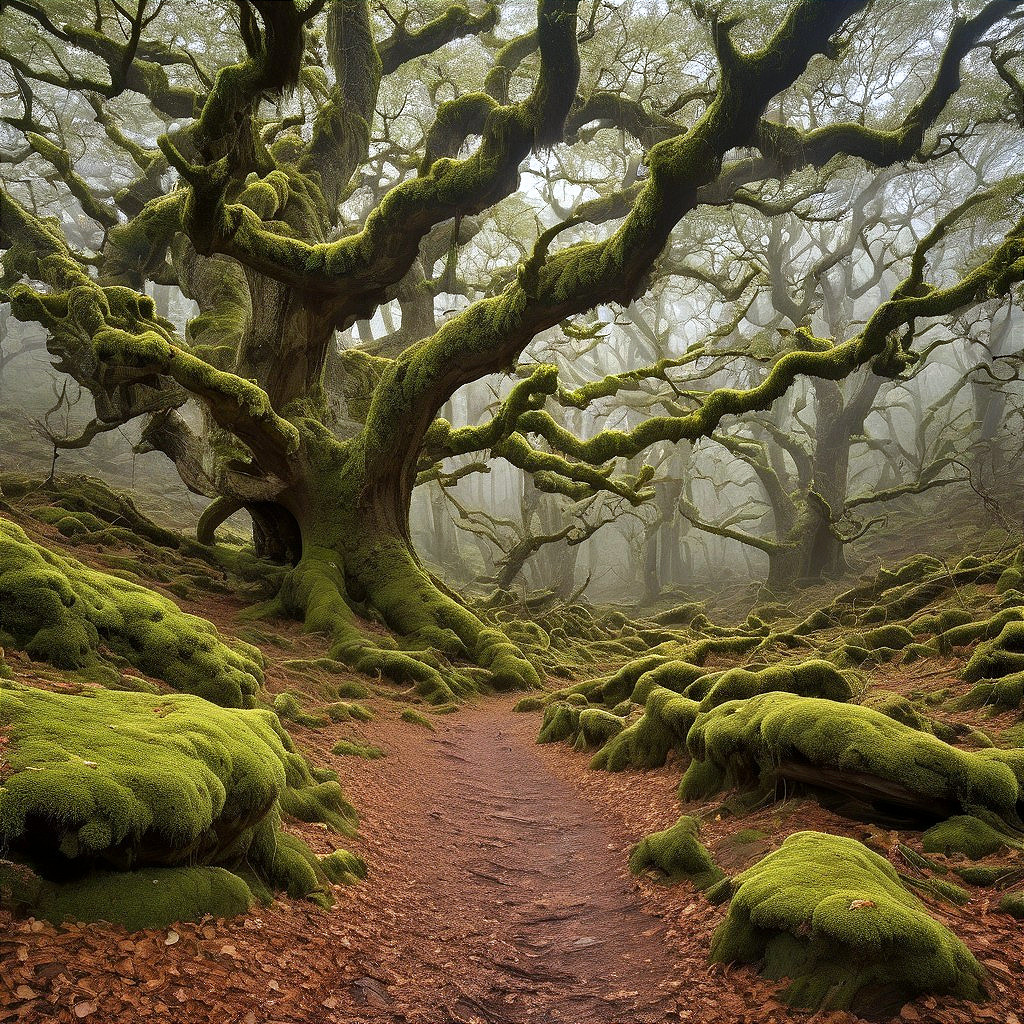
<point x="498" y="890"/>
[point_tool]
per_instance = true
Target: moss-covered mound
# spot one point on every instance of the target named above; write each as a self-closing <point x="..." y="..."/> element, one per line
<point x="851" y="752"/>
<point x="997" y="666"/>
<point x="678" y="855"/>
<point x="103" y="783"/>
<point x="584" y="728"/>
<point x="832" y="917"/>
<point x="963" y="833"/>
<point x="669" y="712"/>
<point x="63" y="612"/>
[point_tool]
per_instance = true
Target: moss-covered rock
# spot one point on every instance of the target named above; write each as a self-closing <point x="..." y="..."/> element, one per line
<point x="414" y="717"/>
<point x="852" y="752"/>
<point x="832" y="917"/>
<point x="647" y="742"/>
<point x="965" y="834"/>
<point x="999" y="656"/>
<point x="677" y="854"/>
<point x="63" y="612"/>
<point x="106" y="781"/>
<point x="669" y="712"/>
<point x="349" y="711"/>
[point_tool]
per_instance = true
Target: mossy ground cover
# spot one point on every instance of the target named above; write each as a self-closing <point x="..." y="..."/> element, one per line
<point x="76" y="618"/>
<point x="893" y="703"/>
<point x="102" y="789"/>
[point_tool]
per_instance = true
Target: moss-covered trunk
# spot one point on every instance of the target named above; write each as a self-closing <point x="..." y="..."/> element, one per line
<point x="350" y="507"/>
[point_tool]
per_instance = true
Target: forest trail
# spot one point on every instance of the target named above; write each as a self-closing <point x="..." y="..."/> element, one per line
<point x="505" y="890"/>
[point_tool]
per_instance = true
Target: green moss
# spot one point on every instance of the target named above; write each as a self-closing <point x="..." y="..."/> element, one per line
<point x="147" y="899"/>
<point x="988" y="874"/>
<point x="850" y="751"/>
<point x="529" y="704"/>
<point x="965" y="834"/>
<point x="343" y="868"/>
<point x="832" y="917"/>
<point x="677" y="854"/>
<point x="1004" y="632"/>
<point x="349" y="710"/>
<point x="646" y="743"/>
<point x="1011" y="579"/>
<point x="63" y="612"/>
<point x="894" y="637"/>
<point x="810" y="679"/>
<point x="1001" y="656"/>
<point x="940" y="889"/>
<point x="668" y="714"/>
<point x="103" y="781"/>
<point x="896" y="707"/>
<point x="356" y="748"/>
<point x="1013" y="903"/>
<point x="288" y="706"/>
<point x="561" y="722"/>
<point x="351" y="690"/>
<point x="415" y="717"/>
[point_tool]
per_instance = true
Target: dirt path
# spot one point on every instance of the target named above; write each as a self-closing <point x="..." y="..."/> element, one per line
<point x="508" y="890"/>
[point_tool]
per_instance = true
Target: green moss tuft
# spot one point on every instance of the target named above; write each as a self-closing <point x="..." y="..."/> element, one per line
<point x="343" y="868"/>
<point x="678" y="855"/>
<point x="529" y="704"/>
<point x="288" y="706"/>
<point x="851" y="752"/>
<point x="356" y="748"/>
<point x="349" y="711"/>
<point x="1013" y="903"/>
<point x="832" y="917"/>
<point x="415" y="717"/>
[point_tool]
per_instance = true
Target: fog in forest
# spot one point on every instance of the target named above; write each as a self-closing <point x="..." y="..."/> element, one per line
<point x="371" y="370"/>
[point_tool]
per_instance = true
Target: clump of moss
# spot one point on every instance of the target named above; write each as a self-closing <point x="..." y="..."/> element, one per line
<point x="288" y="706"/>
<point x="561" y="721"/>
<point x="1011" y="579"/>
<point x="851" y="751"/>
<point x="989" y="874"/>
<point x="529" y="704"/>
<point x="646" y="743"/>
<point x="415" y="717"/>
<point x="356" y="748"/>
<point x="104" y="780"/>
<point x="965" y="834"/>
<point x="1002" y="651"/>
<point x="351" y="690"/>
<point x="670" y="711"/>
<point x="343" y="868"/>
<point x="677" y="854"/>
<point x="832" y="916"/>
<point x="63" y="612"/>
<point x="349" y="711"/>
<point x="1013" y="903"/>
